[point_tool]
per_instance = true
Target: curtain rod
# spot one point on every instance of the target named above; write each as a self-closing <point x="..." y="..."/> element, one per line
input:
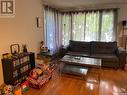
<point x="87" y="10"/>
<point x="78" y="10"/>
<point x="51" y="7"/>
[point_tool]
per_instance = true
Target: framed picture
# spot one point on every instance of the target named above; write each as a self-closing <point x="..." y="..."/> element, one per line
<point x="15" y="48"/>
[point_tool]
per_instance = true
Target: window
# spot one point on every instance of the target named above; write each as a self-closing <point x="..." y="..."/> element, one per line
<point x="97" y="25"/>
<point x="90" y="26"/>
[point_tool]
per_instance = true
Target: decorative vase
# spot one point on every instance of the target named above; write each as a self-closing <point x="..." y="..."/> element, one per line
<point x="24" y="48"/>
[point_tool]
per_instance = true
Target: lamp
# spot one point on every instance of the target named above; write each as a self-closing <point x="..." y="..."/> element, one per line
<point x="124" y="24"/>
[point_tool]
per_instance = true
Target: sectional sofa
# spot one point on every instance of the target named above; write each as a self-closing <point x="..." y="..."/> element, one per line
<point x="109" y="52"/>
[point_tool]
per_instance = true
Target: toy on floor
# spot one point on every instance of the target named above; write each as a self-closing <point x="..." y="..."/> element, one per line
<point x="24" y="86"/>
<point x="8" y="90"/>
<point x="38" y="77"/>
<point x="17" y="89"/>
<point x="35" y="73"/>
<point x="43" y="48"/>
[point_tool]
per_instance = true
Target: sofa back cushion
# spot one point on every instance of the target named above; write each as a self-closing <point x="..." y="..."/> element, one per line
<point x="80" y="46"/>
<point x="103" y="47"/>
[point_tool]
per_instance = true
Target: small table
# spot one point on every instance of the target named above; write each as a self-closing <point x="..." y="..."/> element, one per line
<point x="79" y="65"/>
<point x="46" y="55"/>
<point x="74" y="70"/>
<point x="81" y="61"/>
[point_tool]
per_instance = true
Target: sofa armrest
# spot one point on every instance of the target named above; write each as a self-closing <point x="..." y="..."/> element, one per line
<point x="66" y="48"/>
<point x="63" y="50"/>
<point x="122" y="57"/>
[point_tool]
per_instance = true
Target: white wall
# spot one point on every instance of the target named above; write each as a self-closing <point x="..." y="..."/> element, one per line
<point x="122" y="15"/>
<point x="22" y="28"/>
<point x="122" y="12"/>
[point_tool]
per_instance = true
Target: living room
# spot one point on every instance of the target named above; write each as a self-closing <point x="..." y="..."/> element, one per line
<point x="22" y="28"/>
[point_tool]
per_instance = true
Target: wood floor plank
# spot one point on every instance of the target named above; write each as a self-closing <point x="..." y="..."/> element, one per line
<point x="112" y="82"/>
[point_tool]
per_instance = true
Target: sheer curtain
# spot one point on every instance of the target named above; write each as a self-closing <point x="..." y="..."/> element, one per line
<point x="53" y="24"/>
<point x="107" y="32"/>
<point x="97" y="25"/>
<point x="85" y="26"/>
<point x="58" y="28"/>
<point x="66" y="28"/>
<point x="78" y="26"/>
<point x="94" y="25"/>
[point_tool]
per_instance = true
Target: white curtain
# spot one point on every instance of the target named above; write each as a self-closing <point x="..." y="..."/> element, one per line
<point x="53" y="24"/>
<point x="92" y="26"/>
<point x="58" y="34"/>
<point x="66" y="28"/>
<point x="97" y="25"/>
<point x="78" y="28"/>
<point x="89" y="26"/>
<point x="107" y="32"/>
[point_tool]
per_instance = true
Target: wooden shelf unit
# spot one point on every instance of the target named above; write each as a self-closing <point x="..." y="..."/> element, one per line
<point x="16" y="68"/>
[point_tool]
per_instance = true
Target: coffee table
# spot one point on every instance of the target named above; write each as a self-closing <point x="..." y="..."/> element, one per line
<point x="79" y="65"/>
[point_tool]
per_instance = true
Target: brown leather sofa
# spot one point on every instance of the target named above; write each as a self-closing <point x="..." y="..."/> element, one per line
<point x="110" y="54"/>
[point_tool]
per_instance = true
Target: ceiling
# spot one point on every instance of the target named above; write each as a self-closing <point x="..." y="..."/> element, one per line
<point x="81" y="3"/>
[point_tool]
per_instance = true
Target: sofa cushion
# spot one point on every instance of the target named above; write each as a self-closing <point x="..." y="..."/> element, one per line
<point x="106" y="57"/>
<point x="80" y="46"/>
<point x="103" y="47"/>
<point x="77" y="54"/>
<point x="108" y="60"/>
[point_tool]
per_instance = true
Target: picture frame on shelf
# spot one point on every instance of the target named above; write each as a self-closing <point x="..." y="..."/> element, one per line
<point x="15" y="49"/>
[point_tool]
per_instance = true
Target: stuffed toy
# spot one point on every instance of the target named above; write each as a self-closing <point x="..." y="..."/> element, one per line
<point x="35" y="73"/>
<point x="8" y="90"/>
<point x="38" y="77"/>
<point x="43" y="48"/>
<point x="38" y="71"/>
<point x="25" y="86"/>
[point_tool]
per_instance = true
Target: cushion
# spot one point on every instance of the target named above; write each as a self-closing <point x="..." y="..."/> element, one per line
<point x="79" y="46"/>
<point x="77" y="53"/>
<point x="106" y="57"/>
<point x="103" y="47"/>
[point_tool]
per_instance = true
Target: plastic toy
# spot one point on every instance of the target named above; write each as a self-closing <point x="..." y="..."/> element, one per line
<point x="8" y="90"/>
<point x="17" y="90"/>
<point x="24" y="86"/>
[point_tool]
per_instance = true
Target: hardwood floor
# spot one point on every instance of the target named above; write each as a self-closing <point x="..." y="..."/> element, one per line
<point x="112" y="82"/>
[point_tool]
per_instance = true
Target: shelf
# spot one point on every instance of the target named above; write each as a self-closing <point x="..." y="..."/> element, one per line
<point x="17" y="73"/>
<point x="16" y="68"/>
<point x="24" y="64"/>
<point x="25" y="73"/>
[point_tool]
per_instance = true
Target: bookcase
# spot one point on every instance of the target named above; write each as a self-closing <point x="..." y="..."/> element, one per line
<point x="17" y="67"/>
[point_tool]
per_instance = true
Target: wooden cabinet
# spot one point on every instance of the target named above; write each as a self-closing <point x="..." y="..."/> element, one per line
<point x="16" y="68"/>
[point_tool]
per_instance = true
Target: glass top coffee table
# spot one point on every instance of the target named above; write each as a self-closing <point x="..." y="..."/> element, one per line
<point x="79" y="65"/>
